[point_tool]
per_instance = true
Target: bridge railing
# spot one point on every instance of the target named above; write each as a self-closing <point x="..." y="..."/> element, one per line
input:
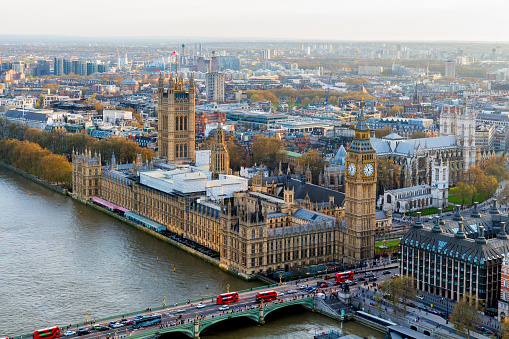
<point x="157" y="308"/>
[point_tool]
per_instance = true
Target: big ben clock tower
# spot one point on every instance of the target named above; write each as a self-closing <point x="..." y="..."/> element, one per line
<point x="360" y="197"/>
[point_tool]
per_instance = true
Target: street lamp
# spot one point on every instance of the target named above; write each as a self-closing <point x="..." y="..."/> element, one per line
<point x="164" y="302"/>
<point x="228" y="288"/>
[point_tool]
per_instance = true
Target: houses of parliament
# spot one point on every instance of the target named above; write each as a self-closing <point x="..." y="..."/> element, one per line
<point x="253" y="231"/>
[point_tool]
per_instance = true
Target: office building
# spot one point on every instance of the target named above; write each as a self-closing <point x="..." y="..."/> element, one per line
<point x="58" y="66"/>
<point x="43" y="67"/>
<point x="458" y="256"/>
<point x="450" y="69"/>
<point x="215" y="86"/>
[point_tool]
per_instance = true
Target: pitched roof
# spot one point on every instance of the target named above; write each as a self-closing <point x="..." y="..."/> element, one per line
<point x="316" y="193"/>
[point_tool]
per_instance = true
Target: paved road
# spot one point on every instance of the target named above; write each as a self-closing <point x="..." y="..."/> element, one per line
<point x="189" y="312"/>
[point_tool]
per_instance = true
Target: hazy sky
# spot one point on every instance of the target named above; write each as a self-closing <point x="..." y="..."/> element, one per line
<point x="296" y="19"/>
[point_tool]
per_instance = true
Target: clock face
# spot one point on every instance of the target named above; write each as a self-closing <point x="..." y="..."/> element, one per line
<point x="368" y="170"/>
<point x="351" y="169"/>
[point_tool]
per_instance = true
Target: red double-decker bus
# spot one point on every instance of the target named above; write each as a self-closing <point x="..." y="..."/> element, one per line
<point x="344" y="276"/>
<point x="227" y="298"/>
<point x="47" y="333"/>
<point x="266" y="296"/>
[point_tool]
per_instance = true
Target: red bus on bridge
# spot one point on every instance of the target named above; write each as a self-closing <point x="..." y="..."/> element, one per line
<point x="344" y="276"/>
<point x="266" y="296"/>
<point x="47" y="333"/>
<point x="227" y="298"/>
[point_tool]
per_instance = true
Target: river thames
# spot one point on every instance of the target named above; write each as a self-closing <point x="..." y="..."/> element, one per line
<point x="62" y="260"/>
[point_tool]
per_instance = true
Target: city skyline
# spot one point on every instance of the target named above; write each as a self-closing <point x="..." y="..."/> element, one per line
<point x="366" y="20"/>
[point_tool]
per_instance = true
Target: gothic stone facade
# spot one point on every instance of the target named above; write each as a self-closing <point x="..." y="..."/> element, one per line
<point x="252" y="232"/>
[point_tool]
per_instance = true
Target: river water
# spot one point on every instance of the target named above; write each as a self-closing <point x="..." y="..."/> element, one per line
<point x="60" y="260"/>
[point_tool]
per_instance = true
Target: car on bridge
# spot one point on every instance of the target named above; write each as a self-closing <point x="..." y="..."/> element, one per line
<point x="280" y="294"/>
<point x="68" y="333"/>
<point x="224" y="308"/>
<point x="291" y="291"/>
<point x="139" y="316"/>
<point x="200" y="306"/>
<point x="83" y="331"/>
<point x="116" y="325"/>
<point x="180" y="310"/>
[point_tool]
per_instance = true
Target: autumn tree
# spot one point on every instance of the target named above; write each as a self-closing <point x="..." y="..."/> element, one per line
<point x="505" y="328"/>
<point x="236" y="153"/>
<point x="99" y="107"/>
<point x="315" y="161"/>
<point x="396" y="110"/>
<point x="399" y="290"/>
<point x="267" y="149"/>
<point x="55" y="168"/>
<point x="497" y="167"/>
<point x="418" y="135"/>
<point x="466" y="313"/>
<point x="40" y="102"/>
<point x="471" y="174"/>
<point x="407" y="290"/>
<point x="305" y="102"/>
<point x="465" y="192"/>
<point x="382" y="132"/>
<point x="390" y="290"/>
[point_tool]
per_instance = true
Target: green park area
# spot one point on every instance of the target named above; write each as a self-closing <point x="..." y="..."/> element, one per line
<point x="392" y="244"/>
<point x="456" y="198"/>
<point x="431" y="210"/>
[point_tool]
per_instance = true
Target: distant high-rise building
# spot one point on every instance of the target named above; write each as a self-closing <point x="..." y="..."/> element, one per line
<point x="266" y="54"/>
<point x="58" y="66"/>
<point x="75" y="67"/>
<point x="91" y="68"/>
<point x="494" y="54"/>
<point x="308" y="52"/>
<point x="215" y="86"/>
<point x="214" y="64"/>
<point x="229" y="62"/>
<point x="18" y="66"/>
<point x="67" y="66"/>
<point x="102" y="68"/>
<point x="43" y="67"/>
<point x="450" y="68"/>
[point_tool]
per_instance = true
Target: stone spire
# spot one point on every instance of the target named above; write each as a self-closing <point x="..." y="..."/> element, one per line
<point x="502" y="233"/>
<point x="475" y="212"/>
<point x="441" y="217"/>
<point x="418" y="223"/>
<point x="457" y="215"/>
<point x="494" y="208"/>
<point x="436" y="228"/>
<point x="460" y="234"/>
<point x="481" y="239"/>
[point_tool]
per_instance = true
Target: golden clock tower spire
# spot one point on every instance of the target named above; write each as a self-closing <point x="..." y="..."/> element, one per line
<point x="360" y="196"/>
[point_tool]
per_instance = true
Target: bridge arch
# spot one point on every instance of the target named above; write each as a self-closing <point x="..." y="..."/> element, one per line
<point x="207" y="324"/>
<point x="278" y="307"/>
<point x="186" y="330"/>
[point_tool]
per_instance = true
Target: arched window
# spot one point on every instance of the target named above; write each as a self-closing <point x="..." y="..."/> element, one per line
<point x="176" y="123"/>
<point x="177" y="151"/>
<point x="185" y="150"/>
<point x="185" y="124"/>
<point x="181" y="123"/>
